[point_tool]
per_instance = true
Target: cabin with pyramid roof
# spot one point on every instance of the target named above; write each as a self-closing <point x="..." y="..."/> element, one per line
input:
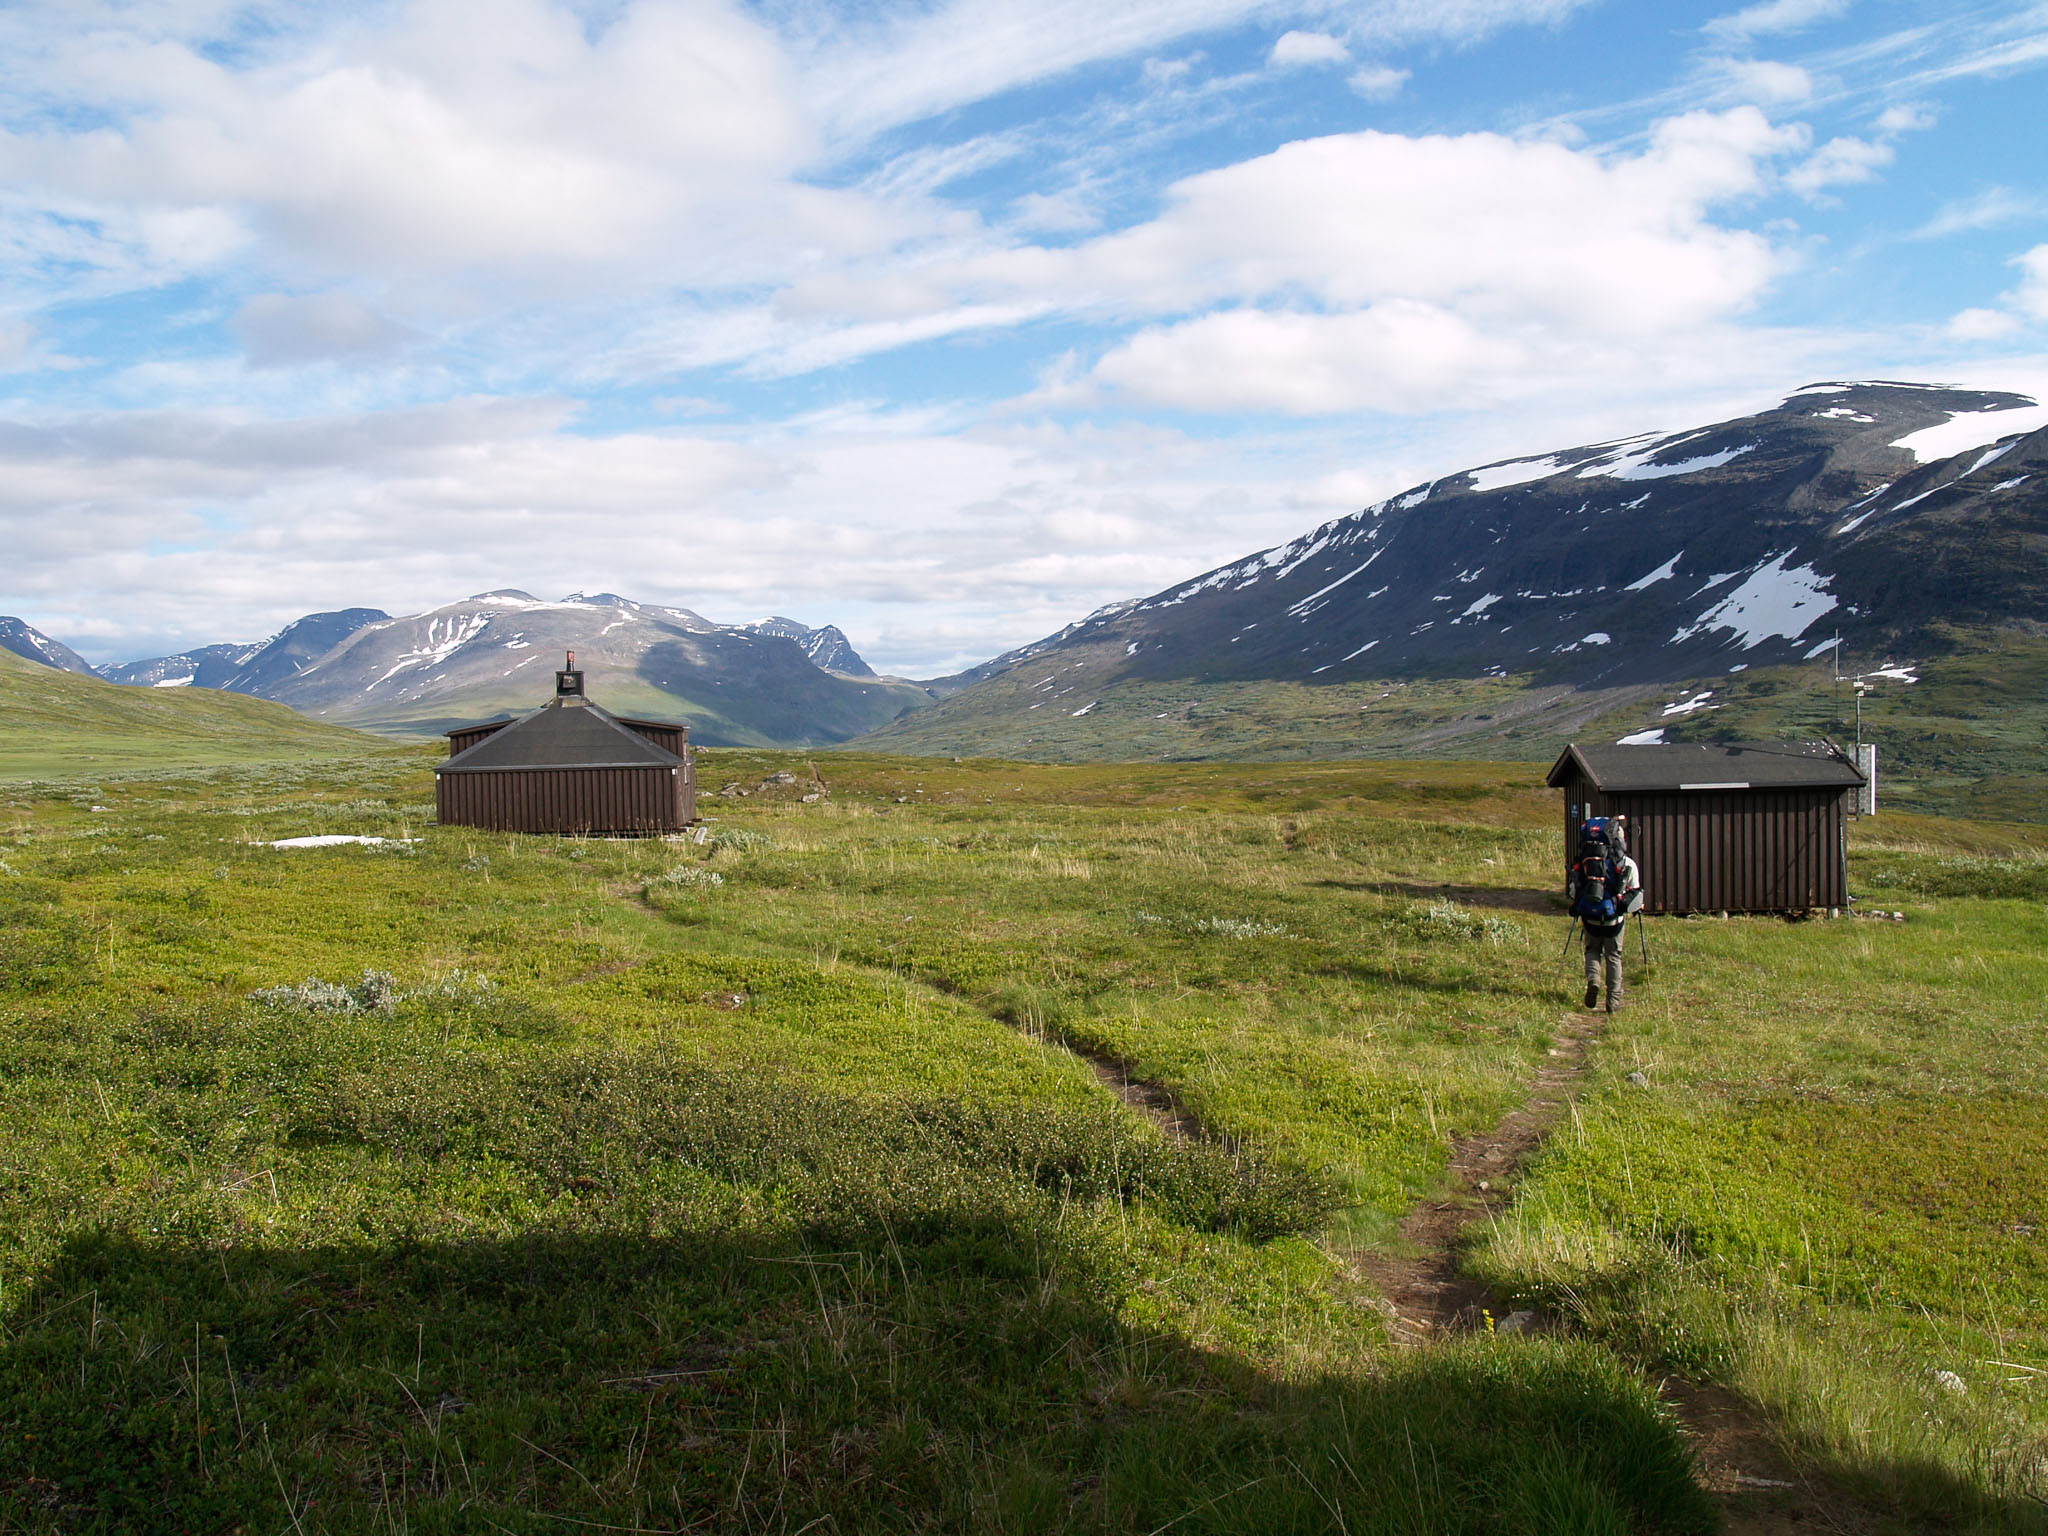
<point x="571" y="767"/>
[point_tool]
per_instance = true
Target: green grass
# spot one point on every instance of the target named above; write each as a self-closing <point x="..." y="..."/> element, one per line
<point x="484" y="1181"/>
<point x="65" y="724"/>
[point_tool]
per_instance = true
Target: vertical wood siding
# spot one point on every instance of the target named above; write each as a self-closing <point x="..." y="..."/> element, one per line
<point x="651" y="799"/>
<point x="1728" y="850"/>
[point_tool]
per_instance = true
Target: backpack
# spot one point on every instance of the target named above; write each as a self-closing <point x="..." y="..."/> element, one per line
<point x="1597" y="876"/>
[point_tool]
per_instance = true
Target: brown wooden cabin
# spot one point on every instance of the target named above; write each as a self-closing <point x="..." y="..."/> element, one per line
<point x="568" y="767"/>
<point x="1753" y="826"/>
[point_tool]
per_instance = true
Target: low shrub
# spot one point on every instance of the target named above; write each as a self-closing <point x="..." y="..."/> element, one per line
<point x="1438" y="920"/>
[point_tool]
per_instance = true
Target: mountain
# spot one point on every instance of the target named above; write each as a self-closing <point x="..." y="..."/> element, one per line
<point x="828" y="647"/>
<point x="31" y="644"/>
<point x="1533" y="595"/>
<point x="773" y="683"/>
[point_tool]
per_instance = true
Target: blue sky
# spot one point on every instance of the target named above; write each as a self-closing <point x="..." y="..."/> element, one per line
<point x="946" y="322"/>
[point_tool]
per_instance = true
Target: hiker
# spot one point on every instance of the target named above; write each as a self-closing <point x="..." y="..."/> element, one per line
<point x="1604" y="887"/>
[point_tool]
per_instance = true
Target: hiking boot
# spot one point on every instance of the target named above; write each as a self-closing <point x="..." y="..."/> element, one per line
<point x="1593" y="994"/>
<point x="1615" y="1004"/>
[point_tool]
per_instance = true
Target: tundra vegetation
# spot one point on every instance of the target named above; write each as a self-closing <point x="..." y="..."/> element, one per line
<point x="468" y="1182"/>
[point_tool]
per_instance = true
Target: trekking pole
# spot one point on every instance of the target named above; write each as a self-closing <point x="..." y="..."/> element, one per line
<point x="1574" y="928"/>
<point x="1643" y="937"/>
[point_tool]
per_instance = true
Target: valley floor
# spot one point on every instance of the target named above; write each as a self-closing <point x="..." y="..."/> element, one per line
<point x="990" y="1146"/>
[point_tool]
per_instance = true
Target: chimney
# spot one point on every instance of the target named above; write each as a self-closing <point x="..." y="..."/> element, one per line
<point x="569" y="682"/>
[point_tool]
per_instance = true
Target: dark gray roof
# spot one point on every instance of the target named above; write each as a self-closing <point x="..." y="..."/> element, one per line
<point x="562" y="734"/>
<point x="1709" y="765"/>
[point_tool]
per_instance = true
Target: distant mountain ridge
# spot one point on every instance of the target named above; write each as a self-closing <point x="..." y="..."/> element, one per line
<point x="775" y="681"/>
<point x="31" y="644"/>
<point x="1895" y="513"/>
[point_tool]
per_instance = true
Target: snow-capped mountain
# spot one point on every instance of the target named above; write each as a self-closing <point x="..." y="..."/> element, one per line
<point x="828" y="647"/>
<point x="778" y="681"/>
<point x="1894" y="513"/>
<point x="31" y="644"/>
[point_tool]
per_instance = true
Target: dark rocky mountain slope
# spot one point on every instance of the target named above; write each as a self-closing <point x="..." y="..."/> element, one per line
<point x="1899" y="514"/>
<point x="31" y="644"/>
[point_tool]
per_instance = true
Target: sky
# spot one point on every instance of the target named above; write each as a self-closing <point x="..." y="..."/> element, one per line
<point x="943" y="322"/>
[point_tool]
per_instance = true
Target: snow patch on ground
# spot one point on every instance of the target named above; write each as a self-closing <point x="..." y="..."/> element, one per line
<point x="1844" y="413"/>
<point x="1904" y="674"/>
<point x="2006" y="485"/>
<point x="173" y="682"/>
<point x="1077" y="714"/>
<point x="1663" y="572"/>
<point x="336" y="840"/>
<point x="1687" y="706"/>
<point x="1971" y="429"/>
<point x="1650" y="738"/>
<point x="1481" y="606"/>
<point x="1778" y="600"/>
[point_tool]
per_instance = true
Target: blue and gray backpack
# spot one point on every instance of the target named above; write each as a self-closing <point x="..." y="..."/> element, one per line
<point x="1597" y="876"/>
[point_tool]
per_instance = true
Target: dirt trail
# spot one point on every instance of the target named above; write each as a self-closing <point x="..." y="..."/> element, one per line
<point x="1147" y="1099"/>
<point x="1422" y="1282"/>
<point x="1738" y="1456"/>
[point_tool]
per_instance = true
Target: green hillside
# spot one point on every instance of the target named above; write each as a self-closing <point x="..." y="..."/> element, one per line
<point x="57" y="724"/>
<point x="1962" y="740"/>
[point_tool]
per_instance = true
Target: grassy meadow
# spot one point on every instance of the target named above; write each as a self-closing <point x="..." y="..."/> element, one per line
<point x="477" y="1182"/>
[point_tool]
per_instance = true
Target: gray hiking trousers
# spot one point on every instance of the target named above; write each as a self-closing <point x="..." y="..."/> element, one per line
<point x="1604" y="945"/>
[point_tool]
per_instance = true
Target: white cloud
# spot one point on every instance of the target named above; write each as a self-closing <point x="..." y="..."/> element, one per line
<point x="1297" y="48"/>
<point x="2031" y="297"/>
<point x="1402" y="355"/>
<point x="277" y="330"/>
<point x="408" y="509"/>
<point x="1767" y="82"/>
<point x="1981" y="210"/>
<point x="519" y="147"/>
<point x="1841" y="160"/>
<point x="865" y="77"/>
<point x="15" y="338"/>
<point x="1378" y="82"/>
<point x="1982" y="325"/>
<point x="1775" y="16"/>
<point x="1908" y="117"/>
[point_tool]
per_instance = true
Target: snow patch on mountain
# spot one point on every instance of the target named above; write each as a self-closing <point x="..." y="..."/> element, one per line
<point x="1640" y="465"/>
<point x="1776" y="601"/>
<point x="1498" y="477"/>
<point x="447" y="636"/>
<point x="1965" y="430"/>
<point x="1663" y="572"/>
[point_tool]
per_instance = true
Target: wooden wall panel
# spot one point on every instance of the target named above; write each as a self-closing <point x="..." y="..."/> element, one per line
<point x="568" y="800"/>
<point x="1729" y="850"/>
